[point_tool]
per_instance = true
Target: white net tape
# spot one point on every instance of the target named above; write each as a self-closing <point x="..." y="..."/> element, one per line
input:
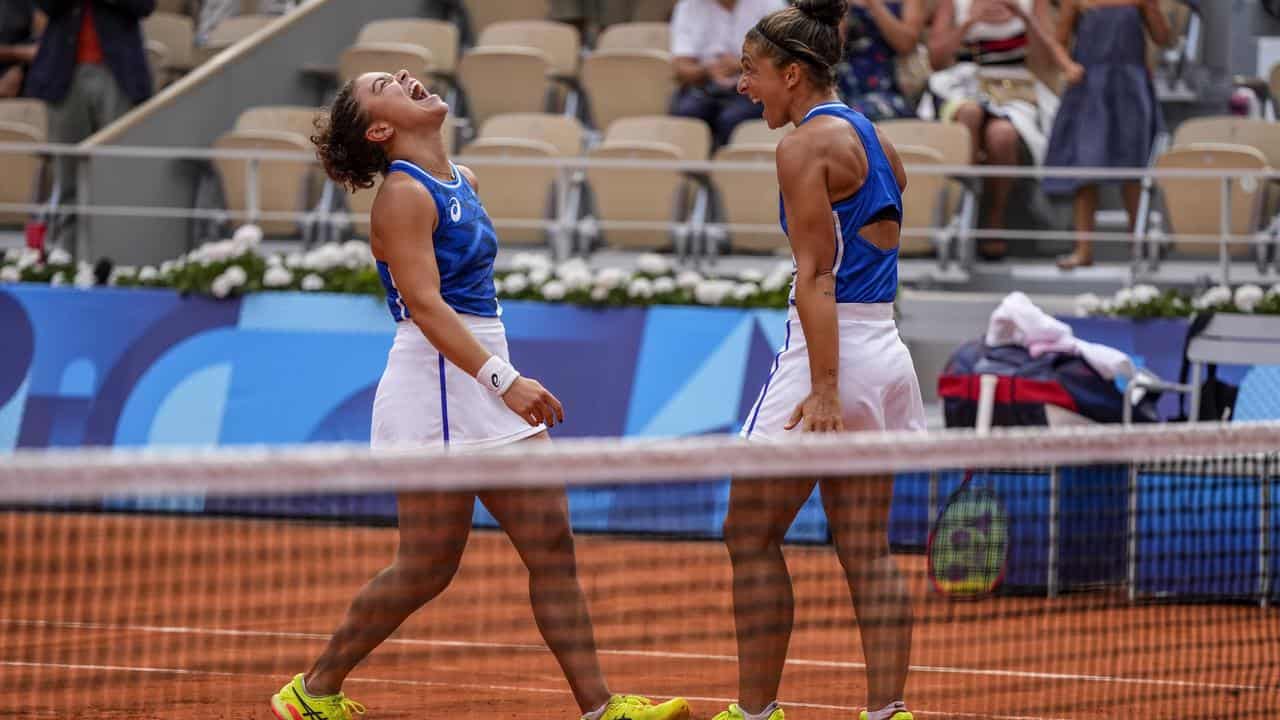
<point x="33" y="476"/>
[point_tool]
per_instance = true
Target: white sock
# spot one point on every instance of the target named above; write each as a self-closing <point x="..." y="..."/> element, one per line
<point x="763" y="714"/>
<point x="888" y="711"/>
<point x="598" y="712"/>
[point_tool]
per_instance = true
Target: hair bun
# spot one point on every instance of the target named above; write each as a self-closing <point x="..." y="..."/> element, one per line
<point x="827" y="12"/>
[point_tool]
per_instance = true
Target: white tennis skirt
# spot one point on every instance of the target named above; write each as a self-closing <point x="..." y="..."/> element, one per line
<point x="878" y="385"/>
<point x="423" y="400"/>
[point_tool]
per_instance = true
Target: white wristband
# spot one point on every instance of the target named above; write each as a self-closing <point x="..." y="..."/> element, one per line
<point x="497" y="375"/>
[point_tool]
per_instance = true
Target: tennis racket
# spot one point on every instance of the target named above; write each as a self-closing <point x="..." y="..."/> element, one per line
<point x="968" y="546"/>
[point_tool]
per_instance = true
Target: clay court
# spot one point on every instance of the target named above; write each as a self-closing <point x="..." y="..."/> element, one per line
<point x="124" y="616"/>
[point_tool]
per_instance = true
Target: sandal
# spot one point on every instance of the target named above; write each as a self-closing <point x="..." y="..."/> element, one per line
<point x="1073" y="261"/>
<point x="993" y="250"/>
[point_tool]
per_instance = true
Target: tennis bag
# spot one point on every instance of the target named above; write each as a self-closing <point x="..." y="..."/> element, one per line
<point x="1027" y="384"/>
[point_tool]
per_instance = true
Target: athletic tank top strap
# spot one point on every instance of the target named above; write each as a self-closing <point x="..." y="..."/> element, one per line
<point x="464" y="242"/>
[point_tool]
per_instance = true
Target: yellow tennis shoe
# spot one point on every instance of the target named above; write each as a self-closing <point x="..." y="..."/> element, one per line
<point x="293" y="702"/>
<point x="896" y="716"/>
<point x="736" y="713"/>
<point x="634" y="707"/>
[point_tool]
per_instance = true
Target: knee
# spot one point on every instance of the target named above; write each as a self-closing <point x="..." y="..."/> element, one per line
<point x="747" y="539"/>
<point x="861" y="553"/>
<point x="423" y="580"/>
<point x="1001" y="140"/>
<point x="551" y="552"/>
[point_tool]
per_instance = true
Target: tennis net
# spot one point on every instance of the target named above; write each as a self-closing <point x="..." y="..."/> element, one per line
<point x="1082" y="573"/>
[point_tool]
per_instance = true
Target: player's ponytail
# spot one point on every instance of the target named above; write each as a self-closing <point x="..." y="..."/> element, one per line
<point x="808" y="32"/>
<point x="349" y="158"/>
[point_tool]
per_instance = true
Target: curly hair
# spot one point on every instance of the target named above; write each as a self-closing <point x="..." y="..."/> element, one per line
<point x="349" y="158"/>
<point x="808" y="32"/>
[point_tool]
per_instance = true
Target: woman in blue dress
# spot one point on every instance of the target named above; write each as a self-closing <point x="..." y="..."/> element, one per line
<point x="876" y="34"/>
<point x="1110" y="119"/>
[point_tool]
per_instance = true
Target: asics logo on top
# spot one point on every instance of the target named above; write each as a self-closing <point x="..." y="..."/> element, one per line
<point x="494" y="379"/>
<point x="308" y="712"/>
<point x="455" y="210"/>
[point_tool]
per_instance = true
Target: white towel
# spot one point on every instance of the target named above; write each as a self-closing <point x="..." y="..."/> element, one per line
<point x="1017" y="321"/>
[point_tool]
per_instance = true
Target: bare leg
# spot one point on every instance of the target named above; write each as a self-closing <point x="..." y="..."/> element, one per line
<point x="763" y="604"/>
<point x="1086" y="208"/>
<point x="433" y="533"/>
<point x="1001" y="144"/>
<point x="1132" y="198"/>
<point x="537" y="521"/>
<point x="973" y="117"/>
<point x="858" y="511"/>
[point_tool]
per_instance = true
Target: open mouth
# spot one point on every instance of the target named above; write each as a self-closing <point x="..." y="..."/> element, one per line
<point x="417" y="92"/>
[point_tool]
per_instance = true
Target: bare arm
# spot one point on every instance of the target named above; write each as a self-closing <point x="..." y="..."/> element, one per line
<point x="945" y="37"/>
<point x="802" y="175"/>
<point x="1157" y="23"/>
<point x="1035" y="22"/>
<point x="690" y="71"/>
<point x="1067" y="21"/>
<point x="18" y="53"/>
<point x="902" y="34"/>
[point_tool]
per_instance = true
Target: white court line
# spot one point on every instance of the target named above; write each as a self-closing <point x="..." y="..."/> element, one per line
<point x="838" y="664"/>
<point x="488" y="688"/>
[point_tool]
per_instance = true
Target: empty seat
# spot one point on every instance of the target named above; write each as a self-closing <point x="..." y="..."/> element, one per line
<point x="562" y="132"/>
<point x="282" y="185"/>
<point x="749" y="197"/>
<point x="296" y="119"/>
<point x="177" y="7"/>
<point x="231" y="31"/>
<point x="655" y="197"/>
<point x="558" y="41"/>
<point x="503" y="80"/>
<point x="923" y="202"/>
<point x="636" y="36"/>
<point x="384" y="57"/>
<point x="757" y="132"/>
<point x="438" y="37"/>
<point x="483" y="13"/>
<point x="21" y="121"/>
<point x="933" y="201"/>
<point x="1261" y="135"/>
<point x="691" y="136"/>
<point x="1195" y="205"/>
<point x="176" y="33"/>
<point x="652" y="10"/>
<point x="624" y="83"/>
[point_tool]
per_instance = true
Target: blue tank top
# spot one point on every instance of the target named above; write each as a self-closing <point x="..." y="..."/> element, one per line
<point x="465" y="245"/>
<point x="864" y="273"/>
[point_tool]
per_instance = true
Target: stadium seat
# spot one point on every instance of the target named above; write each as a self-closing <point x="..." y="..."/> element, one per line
<point x="691" y="136"/>
<point x="625" y="83"/>
<point x="283" y="185"/>
<point x="749" y="197"/>
<point x="296" y="119"/>
<point x="950" y="206"/>
<point x="504" y="80"/>
<point x="636" y="36"/>
<point x="923" y="202"/>
<point x="1194" y="205"/>
<point x="558" y="41"/>
<point x="21" y="121"/>
<point x="176" y="34"/>
<point x="564" y="133"/>
<point x="438" y="37"/>
<point x="229" y="32"/>
<point x="384" y="57"/>
<point x="635" y="195"/>
<point x="483" y="13"/>
<point x="652" y="10"/>
<point x="757" y="132"/>
<point x="176" y="7"/>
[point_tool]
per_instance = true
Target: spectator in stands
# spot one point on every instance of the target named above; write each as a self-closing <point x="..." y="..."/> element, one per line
<point x="1111" y="118"/>
<point x="91" y="68"/>
<point x="706" y="42"/>
<point x="980" y="50"/>
<point x="19" y="28"/>
<point x="875" y="33"/>
<point x="590" y="16"/>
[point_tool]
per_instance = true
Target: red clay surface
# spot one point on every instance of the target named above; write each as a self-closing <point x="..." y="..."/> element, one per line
<point x="112" y="616"/>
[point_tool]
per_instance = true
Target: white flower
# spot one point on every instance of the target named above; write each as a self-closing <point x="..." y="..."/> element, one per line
<point x="122" y="272"/>
<point x="28" y="258"/>
<point x="554" y="291"/>
<point x="58" y="279"/>
<point x="313" y="283"/>
<point x="12" y="254"/>
<point x="220" y="287"/>
<point x="10" y="274"/>
<point x="713" y="292"/>
<point x="325" y="257"/>
<point x="247" y="237"/>
<point x="610" y="279"/>
<point x="745" y="291"/>
<point x="776" y="281"/>
<point x="599" y="294"/>
<point x="59" y="257"/>
<point x="147" y="274"/>
<point x="168" y="266"/>
<point x="275" y="260"/>
<point x="527" y="262"/>
<point x="515" y="283"/>
<point x="1145" y="293"/>
<point x="216" y="252"/>
<point x="539" y="276"/>
<point x="688" y="280"/>
<point x="1213" y="297"/>
<point x="1124" y="296"/>
<point x="497" y="286"/>
<point x="1087" y="304"/>
<point x="236" y="276"/>
<point x="640" y="289"/>
<point x="574" y="274"/>
<point x="277" y="276"/>
<point x="1274" y="291"/>
<point x="85" y="278"/>
<point x="1107" y="307"/>
<point x="751" y="275"/>
<point x="295" y="260"/>
<point x="664" y="285"/>
<point x="653" y="264"/>
<point x="356" y="254"/>
<point x="1247" y="297"/>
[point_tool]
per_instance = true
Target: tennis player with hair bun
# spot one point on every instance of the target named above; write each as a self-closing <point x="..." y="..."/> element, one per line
<point x="842" y="366"/>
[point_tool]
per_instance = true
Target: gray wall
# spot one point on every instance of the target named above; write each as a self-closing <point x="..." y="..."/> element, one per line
<point x="267" y="74"/>
<point x="1232" y="28"/>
